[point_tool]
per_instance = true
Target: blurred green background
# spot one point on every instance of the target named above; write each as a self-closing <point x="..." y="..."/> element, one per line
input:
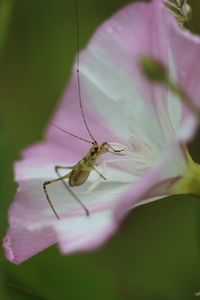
<point x="155" y="255"/>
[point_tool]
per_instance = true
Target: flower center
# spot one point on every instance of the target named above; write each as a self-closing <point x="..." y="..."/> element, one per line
<point x="137" y="159"/>
<point x="141" y="153"/>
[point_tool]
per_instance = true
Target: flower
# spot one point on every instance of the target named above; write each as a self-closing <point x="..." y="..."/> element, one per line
<point x="121" y="106"/>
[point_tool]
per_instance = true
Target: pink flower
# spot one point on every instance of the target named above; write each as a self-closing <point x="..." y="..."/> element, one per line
<point x="121" y="106"/>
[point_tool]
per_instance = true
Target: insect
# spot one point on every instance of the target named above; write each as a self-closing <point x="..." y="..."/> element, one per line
<point x="80" y="171"/>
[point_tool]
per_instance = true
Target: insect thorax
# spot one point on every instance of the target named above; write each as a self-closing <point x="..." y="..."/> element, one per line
<point x="82" y="169"/>
<point x="97" y="150"/>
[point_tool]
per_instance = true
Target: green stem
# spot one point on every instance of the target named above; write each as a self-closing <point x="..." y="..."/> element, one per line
<point x="184" y="98"/>
<point x="6" y="8"/>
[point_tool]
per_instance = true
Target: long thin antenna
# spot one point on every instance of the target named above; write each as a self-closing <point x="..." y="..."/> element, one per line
<point x="77" y="69"/>
<point x="78" y="137"/>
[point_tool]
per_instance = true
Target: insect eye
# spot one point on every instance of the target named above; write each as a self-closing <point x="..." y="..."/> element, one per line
<point x="94" y="150"/>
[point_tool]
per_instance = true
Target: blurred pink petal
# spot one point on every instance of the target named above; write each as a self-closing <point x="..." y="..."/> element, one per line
<point x="121" y="106"/>
<point x="186" y="52"/>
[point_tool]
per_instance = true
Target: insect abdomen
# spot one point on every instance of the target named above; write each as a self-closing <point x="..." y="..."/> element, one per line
<point x="78" y="177"/>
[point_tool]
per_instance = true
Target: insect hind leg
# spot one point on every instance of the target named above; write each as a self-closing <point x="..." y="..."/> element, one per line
<point x="69" y="190"/>
<point x="47" y="195"/>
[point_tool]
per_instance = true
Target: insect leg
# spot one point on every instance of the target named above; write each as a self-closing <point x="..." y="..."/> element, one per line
<point x="47" y="195"/>
<point x="93" y="168"/>
<point x="98" y="180"/>
<point x="69" y="190"/>
<point x="101" y="175"/>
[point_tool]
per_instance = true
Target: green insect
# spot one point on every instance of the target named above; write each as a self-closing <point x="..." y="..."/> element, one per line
<point x="80" y="171"/>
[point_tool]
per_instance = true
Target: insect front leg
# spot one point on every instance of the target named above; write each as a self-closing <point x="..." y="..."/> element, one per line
<point x="68" y="188"/>
<point x="86" y="168"/>
<point x="99" y="179"/>
<point x="46" y="193"/>
<point x="100" y="174"/>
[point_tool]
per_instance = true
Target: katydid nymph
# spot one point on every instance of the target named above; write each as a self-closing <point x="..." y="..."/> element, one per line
<point x="79" y="173"/>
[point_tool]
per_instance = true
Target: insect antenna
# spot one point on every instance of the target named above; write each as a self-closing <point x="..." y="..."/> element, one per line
<point x="77" y="69"/>
<point x="65" y="131"/>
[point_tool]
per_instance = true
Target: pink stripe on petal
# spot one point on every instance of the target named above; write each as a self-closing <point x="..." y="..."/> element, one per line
<point x="156" y="182"/>
<point x="20" y="244"/>
<point x="48" y="153"/>
<point x="136" y="30"/>
<point x="68" y="116"/>
<point x="186" y="52"/>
